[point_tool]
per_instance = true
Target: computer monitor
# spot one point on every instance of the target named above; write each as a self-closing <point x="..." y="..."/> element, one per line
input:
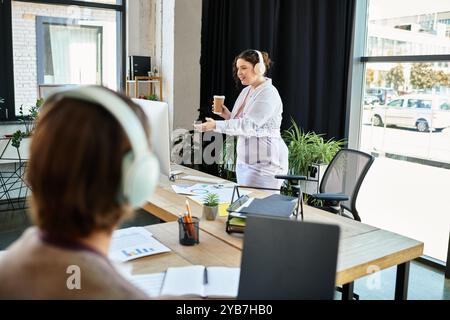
<point x="139" y="66"/>
<point x="287" y="259"/>
<point x="158" y="114"/>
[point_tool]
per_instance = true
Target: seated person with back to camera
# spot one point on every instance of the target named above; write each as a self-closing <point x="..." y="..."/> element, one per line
<point x="84" y="174"/>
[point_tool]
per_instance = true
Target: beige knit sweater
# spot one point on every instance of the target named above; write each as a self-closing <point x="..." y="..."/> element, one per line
<point x="34" y="269"/>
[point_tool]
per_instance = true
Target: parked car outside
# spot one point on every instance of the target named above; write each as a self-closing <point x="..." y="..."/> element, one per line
<point x="384" y="95"/>
<point x="424" y="112"/>
<point x="371" y="100"/>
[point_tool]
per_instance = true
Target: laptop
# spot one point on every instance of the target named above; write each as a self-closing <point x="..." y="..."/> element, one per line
<point x="286" y="259"/>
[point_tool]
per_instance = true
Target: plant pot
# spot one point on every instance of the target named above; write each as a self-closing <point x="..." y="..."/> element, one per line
<point x="314" y="178"/>
<point x="210" y="213"/>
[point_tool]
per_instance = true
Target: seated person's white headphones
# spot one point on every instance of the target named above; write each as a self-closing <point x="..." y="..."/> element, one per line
<point x="260" y="67"/>
<point x="140" y="167"/>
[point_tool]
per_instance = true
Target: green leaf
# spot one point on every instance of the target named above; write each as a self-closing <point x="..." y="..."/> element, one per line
<point x="307" y="148"/>
<point x="211" y="200"/>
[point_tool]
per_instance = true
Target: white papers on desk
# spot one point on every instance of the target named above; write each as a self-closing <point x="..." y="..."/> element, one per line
<point x="132" y="243"/>
<point x="225" y="195"/>
<point x="201" y="281"/>
<point x="199" y="189"/>
<point x="182" y="189"/>
<point x="193" y="281"/>
<point x="150" y="284"/>
<point x="198" y="192"/>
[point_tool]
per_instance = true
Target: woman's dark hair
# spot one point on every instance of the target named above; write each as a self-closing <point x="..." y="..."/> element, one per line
<point x="252" y="57"/>
<point x="75" y="167"/>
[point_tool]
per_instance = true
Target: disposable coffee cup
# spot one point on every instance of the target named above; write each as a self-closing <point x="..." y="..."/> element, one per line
<point x="218" y="104"/>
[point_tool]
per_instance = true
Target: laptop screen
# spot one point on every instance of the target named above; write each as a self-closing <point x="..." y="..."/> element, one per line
<point x="286" y="259"/>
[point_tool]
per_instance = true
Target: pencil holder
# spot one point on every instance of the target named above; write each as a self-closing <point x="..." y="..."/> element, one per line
<point x="189" y="232"/>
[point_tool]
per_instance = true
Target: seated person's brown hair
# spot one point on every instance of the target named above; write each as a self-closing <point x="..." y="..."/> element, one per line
<point x="75" y="168"/>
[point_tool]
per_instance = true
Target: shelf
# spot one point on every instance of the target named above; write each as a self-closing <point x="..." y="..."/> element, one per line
<point x="148" y="80"/>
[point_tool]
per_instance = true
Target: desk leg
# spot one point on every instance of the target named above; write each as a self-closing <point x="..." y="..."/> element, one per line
<point x="401" y="282"/>
<point x="447" y="268"/>
<point x="347" y="291"/>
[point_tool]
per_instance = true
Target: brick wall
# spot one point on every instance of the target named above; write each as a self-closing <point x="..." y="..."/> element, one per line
<point x="24" y="42"/>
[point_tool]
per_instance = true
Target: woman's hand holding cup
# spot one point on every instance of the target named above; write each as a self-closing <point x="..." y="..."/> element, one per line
<point x="219" y="108"/>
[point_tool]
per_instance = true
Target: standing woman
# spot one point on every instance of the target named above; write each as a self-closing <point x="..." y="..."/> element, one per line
<point x="256" y="120"/>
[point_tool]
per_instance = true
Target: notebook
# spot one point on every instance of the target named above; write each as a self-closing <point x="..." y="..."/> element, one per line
<point x="201" y="281"/>
<point x="286" y="259"/>
<point x="275" y="205"/>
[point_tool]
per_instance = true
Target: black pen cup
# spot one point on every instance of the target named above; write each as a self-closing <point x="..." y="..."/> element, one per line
<point x="189" y="231"/>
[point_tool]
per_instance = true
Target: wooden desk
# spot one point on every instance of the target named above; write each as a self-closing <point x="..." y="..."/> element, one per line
<point x="362" y="248"/>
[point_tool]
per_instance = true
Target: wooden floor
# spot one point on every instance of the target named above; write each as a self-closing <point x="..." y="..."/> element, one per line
<point x="425" y="283"/>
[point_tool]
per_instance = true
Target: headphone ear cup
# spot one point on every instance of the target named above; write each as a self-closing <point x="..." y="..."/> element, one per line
<point x="260" y="69"/>
<point x="257" y="68"/>
<point x="139" y="178"/>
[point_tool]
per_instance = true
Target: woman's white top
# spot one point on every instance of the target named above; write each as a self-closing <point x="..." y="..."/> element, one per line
<point x="260" y="149"/>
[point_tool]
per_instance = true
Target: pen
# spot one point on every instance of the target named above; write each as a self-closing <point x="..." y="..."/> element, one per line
<point x="189" y="211"/>
<point x="184" y="225"/>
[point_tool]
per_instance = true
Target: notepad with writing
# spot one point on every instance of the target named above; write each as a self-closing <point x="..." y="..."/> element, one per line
<point x="201" y="281"/>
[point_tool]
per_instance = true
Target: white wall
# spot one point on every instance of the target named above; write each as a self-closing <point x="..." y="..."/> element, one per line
<point x="141" y="28"/>
<point x="177" y="52"/>
<point x="165" y="44"/>
<point x="188" y="23"/>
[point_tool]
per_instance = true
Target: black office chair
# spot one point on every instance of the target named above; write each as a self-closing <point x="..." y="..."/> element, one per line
<point x="342" y="180"/>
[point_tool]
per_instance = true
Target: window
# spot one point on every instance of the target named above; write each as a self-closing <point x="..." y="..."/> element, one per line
<point x="405" y="52"/>
<point x="444" y="105"/>
<point x="396" y="103"/>
<point x="424" y="104"/>
<point x="57" y="45"/>
<point x="69" y="52"/>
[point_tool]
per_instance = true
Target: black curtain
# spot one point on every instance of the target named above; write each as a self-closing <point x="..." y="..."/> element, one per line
<point x="309" y="42"/>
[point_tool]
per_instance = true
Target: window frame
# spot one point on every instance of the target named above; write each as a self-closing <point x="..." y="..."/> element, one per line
<point x="6" y="51"/>
<point x="7" y="109"/>
<point x="356" y="80"/>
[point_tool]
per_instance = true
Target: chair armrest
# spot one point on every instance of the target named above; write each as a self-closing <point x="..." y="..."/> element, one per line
<point x="290" y="177"/>
<point x="331" y="196"/>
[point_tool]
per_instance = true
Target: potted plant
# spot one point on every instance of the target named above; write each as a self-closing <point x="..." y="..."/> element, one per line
<point x="153" y="97"/>
<point x="309" y="154"/>
<point x="29" y="121"/>
<point x="227" y="169"/>
<point x="210" y="206"/>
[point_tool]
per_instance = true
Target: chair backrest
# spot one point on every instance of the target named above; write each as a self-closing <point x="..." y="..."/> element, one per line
<point x="287" y="259"/>
<point x="345" y="174"/>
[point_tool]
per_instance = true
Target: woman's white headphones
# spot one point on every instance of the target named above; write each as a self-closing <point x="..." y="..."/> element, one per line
<point x="260" y="67"/>
<point x="140" y="167"/>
